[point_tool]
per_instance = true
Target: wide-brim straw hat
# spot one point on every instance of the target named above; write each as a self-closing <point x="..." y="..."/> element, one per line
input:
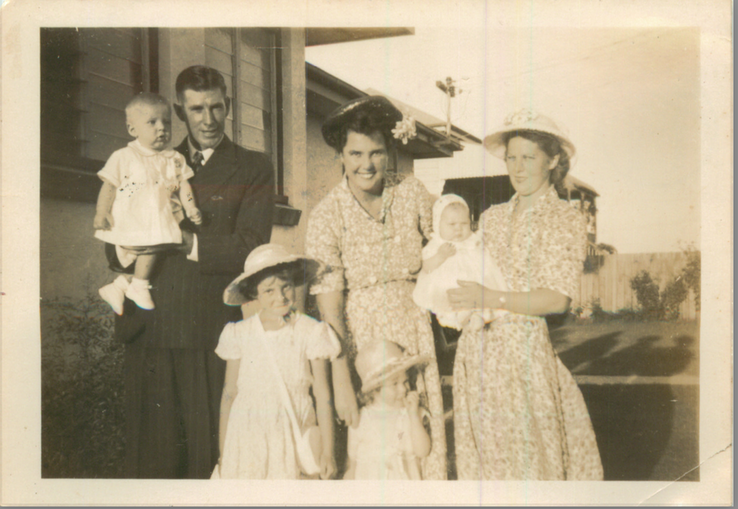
<point x="381" y="361"/>
<point x="527" y="120"/>
<point x="374" y="104"/>
<point x="264" y="257"/>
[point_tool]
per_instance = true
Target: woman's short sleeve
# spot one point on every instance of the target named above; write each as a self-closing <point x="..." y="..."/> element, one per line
<point x="229" y="344"/>
<point x="322" y="243"/>
<point x="425" y="206"/>
<point x="322" y="342"/>
<point x="561" y="253"/>
<point x="112" y="171"/>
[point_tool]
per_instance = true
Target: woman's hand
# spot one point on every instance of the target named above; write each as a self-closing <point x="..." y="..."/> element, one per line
<point x="327" y="463"/>
<point x="343" y="393"/>
<point x="471" y="295"/>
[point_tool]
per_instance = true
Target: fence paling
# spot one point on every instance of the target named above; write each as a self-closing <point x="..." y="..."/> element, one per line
<point x="611" y="283"/>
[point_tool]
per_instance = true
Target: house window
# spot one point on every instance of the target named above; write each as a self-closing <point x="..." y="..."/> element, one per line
<point x="247" y="58"/>
<point x="87" y="77"/>
<point x="89" y="74"/>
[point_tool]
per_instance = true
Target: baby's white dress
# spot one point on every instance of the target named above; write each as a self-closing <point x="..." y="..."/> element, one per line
<point x="259" y="443"/>
<point x="381" y="446"/>
<point x="471" y="262"/>
<point x="145" y="180"/>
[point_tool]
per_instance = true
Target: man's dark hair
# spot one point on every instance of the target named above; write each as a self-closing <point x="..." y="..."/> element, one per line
<point x="199" y="78"/>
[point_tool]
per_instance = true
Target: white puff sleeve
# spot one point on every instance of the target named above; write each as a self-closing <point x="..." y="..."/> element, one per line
<point x="322" y="342"/>
<point x="229" y="344"/>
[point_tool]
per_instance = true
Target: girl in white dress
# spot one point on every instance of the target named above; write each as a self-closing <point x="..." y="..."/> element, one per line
<point x="134" y="207"/>
<point x="391" y="438"/>
<point x="257" y="440"/>
<point x="454" y="254"/>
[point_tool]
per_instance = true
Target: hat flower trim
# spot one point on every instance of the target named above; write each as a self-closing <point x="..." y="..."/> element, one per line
<point x="521" y="117"/>
<point x="405" y="129"/>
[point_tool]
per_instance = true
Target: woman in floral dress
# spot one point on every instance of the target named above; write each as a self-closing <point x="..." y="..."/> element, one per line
<point x="368" y="231"/>
<point x="518" y="413"/>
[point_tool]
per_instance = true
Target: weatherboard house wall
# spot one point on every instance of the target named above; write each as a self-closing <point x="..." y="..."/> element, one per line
<point x="72" y="261"/>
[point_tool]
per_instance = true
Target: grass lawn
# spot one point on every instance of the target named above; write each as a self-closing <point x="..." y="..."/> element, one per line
<point x="640" y="382"/>
<point x="622" y="348"/>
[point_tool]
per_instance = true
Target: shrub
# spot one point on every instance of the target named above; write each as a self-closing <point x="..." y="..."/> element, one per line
<point x="82" y="412"/>
<point x="672" y="297"/>
<point x="647" y="294"/>
<point x="657" y="305"/>
<point x="598" y="314"/>
<point x="692" y="272"/>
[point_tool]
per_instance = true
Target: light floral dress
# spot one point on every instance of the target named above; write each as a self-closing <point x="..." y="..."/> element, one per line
<point x="376" y="262"/>
<point x="518" y="413"/>
<point x="259" y="442"/>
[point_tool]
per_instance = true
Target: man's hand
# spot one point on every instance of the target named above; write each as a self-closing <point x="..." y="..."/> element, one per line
<point x="195" y="216"/>
<point x="103" y="221"/>
<point x="188" y="240"/>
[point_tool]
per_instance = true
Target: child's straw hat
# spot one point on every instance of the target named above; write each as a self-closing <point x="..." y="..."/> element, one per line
<point x="383" y="360"/>
<point x="264" y="257"/>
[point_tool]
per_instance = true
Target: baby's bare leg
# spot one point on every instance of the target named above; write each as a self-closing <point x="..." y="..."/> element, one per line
<point x="144" y="266"/>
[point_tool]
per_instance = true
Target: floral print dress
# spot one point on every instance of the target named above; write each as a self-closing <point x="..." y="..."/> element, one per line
<point x="518" y="413"/>
<point x="376" y="262"/>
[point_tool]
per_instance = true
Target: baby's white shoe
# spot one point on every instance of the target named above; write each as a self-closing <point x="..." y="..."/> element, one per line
<point x="115" y="294"/>
<point x="138" y="292"/>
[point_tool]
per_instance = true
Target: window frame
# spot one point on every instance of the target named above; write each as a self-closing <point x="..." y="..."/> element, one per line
<point x="73" y="176"/>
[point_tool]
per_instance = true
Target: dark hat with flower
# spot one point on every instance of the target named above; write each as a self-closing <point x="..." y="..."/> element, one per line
<point x="378" y="110"/>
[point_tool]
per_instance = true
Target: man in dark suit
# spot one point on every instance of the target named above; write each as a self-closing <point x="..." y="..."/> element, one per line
<point x="174" y="380"/>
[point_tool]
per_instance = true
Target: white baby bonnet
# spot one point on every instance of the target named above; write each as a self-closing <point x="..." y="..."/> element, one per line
<point x="439" y="206"/>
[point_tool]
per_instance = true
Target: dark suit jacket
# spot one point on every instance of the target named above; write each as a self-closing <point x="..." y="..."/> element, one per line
<point x="234" y="191"/>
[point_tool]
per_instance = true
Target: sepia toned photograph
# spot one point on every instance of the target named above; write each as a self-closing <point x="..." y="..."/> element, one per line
<point x="466" y="253"/>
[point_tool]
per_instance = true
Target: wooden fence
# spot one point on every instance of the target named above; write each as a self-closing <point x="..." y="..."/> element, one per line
<point x="611" y="283"/>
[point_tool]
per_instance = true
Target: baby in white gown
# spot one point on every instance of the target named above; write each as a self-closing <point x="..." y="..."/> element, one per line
<point x="455" y="253"/>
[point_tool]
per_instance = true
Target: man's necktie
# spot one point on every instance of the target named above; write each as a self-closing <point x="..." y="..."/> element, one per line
<point x="197" y="160"/>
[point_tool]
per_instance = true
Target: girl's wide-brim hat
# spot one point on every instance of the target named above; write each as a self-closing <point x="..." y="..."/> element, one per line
<point x="381" y="361"/>
<point x="264" y="257"/>
<point x="527" y="120"/>
<point x="373" y="104"/>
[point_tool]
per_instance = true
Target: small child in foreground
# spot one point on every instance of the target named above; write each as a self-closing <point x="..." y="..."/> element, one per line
<point x="134" y="208"/>
<point x="455" y="253"/>
<point x="391" y="438"/>
<point x="274" y="359"/>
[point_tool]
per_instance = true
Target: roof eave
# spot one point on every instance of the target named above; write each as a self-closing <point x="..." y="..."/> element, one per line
<point x="316" y="36"/>
<point x="325" y="92"/>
